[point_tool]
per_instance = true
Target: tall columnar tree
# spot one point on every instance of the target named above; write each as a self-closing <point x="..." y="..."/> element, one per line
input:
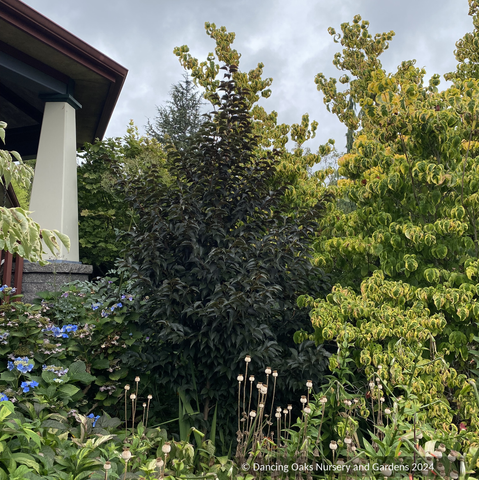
<point x="302" y="189"/>
<point x="221" y="264"/>
<point x="181" y="117"/>
<point x="407" y="259"/>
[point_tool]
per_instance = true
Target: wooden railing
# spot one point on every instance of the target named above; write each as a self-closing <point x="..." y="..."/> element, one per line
<point x="11" y="267"/>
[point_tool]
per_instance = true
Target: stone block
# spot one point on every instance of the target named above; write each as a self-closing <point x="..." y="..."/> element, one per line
<point x="51" y="277"/>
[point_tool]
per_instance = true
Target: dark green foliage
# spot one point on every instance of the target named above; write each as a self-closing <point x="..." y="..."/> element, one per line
<point x="181" y="118"/>
<point x="103" y="212"/>
<point x="222" y="267"/>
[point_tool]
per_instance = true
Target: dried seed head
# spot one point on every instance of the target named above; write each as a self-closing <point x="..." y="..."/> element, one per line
<point x="127" y="387"/>
<point x="251" y="378"/>
<point x="252" y="414"/>
<point x="348" y="403"/>
<point x="378" y="380"/>
<point x="333" y="445"/>
<point x="323" y="400"/>
<point x="371" y="385"/>
<point x="380" y="367"/>
<point x="137" y="379"/>
<point x="277" y="415"/>
<point x="290" y="407"/>
<point x="356" y="400"/>
<point x="247" y="359"/>
<point x="348" y="440"/>
<point x="126" y="454"/>
<point x="166" y="448"/>
<point x="144" y="405"/>
<point x="268" y="371"/>
<point x="454" y="475"/>
<point x="380" y="387"/>
<point x="259" y="385"/>
<point x="278" y="409"/>
<point x="240" y="378"/>
<point x="132" y="396"/>
<point x="309" y="384"/>
<point x="441" y="447"/>
<point x="387" y="411"/>
<point x="261" y="405"/>
<point x="285" y="411"/>
<point x="303" y="399"/>
<point x="159" y="462"/>
<point x="264" y="389"/>
<point x="275" y="373"/>
<point x="386" y="470"/>
<point x="150" y="397"/>
<point x="382" y="399"/>
<point x="307" y="410"/>
<point x="107" y="465"/>
<point x="451" y="457"/>
<point x="437" y="454"/>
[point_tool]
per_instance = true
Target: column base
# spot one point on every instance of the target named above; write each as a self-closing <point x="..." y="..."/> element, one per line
<point x="51" y="277"/>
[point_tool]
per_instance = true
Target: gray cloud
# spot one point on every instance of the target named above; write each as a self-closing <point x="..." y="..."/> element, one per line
<point x="290" y="38"/>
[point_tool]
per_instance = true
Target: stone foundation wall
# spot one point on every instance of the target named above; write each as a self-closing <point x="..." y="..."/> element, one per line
<point x="51" y="277"/>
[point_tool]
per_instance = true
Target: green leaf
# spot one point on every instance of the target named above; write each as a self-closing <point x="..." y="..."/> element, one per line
<point x="101" y="364"/>
<point x="26" y="459"/>
<point x="68" y="390"/>
<point x="432" y="275"/>
<point x="54" y="424"/>
<point x="6" y="410"/>
<point x="77" y="372"/>
<point x="63" y="238"/>
<point x="8" y="376"/>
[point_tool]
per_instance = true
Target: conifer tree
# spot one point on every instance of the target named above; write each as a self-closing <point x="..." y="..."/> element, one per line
<point x="181" y="117"/>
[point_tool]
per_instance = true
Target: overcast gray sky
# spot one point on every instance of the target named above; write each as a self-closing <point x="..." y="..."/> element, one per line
<point x="289" y="37"/>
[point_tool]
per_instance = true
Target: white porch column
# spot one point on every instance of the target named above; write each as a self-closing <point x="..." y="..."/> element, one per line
<point x="54" y="200"/>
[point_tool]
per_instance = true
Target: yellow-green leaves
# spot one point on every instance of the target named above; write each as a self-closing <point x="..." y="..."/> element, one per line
<point x="410" y="262"/>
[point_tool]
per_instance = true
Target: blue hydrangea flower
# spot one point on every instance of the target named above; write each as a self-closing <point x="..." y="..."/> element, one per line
<point x="61" y="332"/>
<point x="4" y="336"/>
<point x="56" y="370"/>
<point x="22" y="364"/>
<point x="27" y="385"/>
<point x="95" y="418"/>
